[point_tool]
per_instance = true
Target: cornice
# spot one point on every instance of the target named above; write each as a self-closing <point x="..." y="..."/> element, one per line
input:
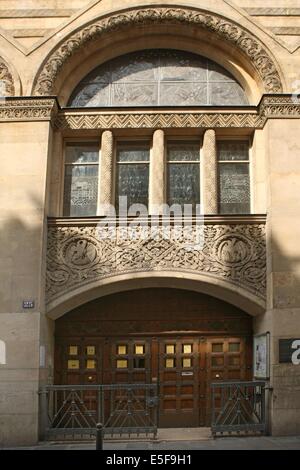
<point x="28" y="109"/>
<point x="48" y="109"/>
<point x="134" y="119"/>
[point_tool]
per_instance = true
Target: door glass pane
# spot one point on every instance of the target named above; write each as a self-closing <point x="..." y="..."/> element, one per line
<point x="73" y="364"/>
<point x="170" y="363"/>
<point x="139" y="362"/>
<point x="80" y="190"/>
<point x="90" y="350"/>
<point x="186" y="362"/>
<point x="139" y="349"/>
<point x="122" y="364"/>
<point x="217" y="347"/>
<point x="73" y="350"/>
<point x="187" y="348"/>
<point x="122" y="349"/>
<point x="234" y="347"/>
<point x="90" y="364"/>
<point x="170" y="348"/>
<point x="234" y="188"/>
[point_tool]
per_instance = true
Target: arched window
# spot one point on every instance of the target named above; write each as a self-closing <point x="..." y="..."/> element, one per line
<point x="158" y="78"/>
<point x="153" y="78"/>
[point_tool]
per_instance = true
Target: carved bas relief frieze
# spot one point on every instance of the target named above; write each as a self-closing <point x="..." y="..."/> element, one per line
<point x="80" y="255"/>
<point x="147" y="120"/>
<point x="31" y="109"/>
<point x="227" y="30"/>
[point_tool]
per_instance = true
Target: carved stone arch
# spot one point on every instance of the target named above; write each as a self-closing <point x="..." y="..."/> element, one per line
<point x="222" y="290"/>
<point x="7" y="82"/>
<point x="227" y="30"/>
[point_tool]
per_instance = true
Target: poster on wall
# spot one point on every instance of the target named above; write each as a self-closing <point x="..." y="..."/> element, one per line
<point x="261" y="360"/>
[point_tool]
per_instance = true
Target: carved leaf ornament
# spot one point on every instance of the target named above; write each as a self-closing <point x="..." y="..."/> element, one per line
<point x="224" y="28"/>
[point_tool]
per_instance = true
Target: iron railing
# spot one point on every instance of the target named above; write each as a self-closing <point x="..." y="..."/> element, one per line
<point x="238" y="407"/>
<point x="69" y="411"/>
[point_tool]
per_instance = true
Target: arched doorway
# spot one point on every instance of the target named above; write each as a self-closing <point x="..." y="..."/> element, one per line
<point x="179" y="339"/>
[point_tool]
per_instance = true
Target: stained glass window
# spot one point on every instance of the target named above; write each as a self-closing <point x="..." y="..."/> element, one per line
<point x="81" y="180"/>
<point x="132" y="173"/>
<point x="159" y="77"/>
<point x="183" y="173"/>
<point x="234" y="181"/>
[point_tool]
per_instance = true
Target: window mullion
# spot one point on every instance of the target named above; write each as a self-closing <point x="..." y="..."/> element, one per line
<point x="210" y="172"/>
<point x="157" y="173"/>
<point x="106" y="173"/>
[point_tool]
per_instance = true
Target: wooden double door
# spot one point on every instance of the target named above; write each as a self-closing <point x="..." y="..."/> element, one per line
<point x="182" y="366"/>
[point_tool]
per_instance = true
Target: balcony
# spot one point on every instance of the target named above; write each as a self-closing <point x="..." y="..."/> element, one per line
<point x="230" y="250"/>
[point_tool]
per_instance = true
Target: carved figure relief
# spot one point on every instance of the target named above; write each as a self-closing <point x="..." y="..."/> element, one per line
<point x="80" y="255"/>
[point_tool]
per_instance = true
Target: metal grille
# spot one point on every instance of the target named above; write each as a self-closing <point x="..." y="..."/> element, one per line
<point x="238" y="407"/>
<point x="69" y="411"/>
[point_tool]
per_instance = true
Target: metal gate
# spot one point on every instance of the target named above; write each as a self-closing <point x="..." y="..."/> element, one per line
<point x="71" y="412"/>
<point x="238" y="407"/>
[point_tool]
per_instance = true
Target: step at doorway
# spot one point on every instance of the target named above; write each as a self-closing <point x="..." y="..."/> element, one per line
<point x="184" y="434"/>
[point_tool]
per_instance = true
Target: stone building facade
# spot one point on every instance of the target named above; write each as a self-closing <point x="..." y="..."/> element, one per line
<point x="102" y="99"/>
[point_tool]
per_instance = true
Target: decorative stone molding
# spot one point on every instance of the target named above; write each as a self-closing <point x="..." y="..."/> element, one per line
<point x="32" y="109"/>
<point x="79" y="255"/>
<point x="7" y="87"/>
<point x="35" y="109"/>
<point x="281" y="106"/>
<point x="273" y="11"/>
<point x="156" y="120"/>
<point x="222" y="27"/>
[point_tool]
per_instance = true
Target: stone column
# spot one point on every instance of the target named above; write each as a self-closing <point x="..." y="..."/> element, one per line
<point x="210" y="173"/>
<point x="157" y="173"/>
<point x="106" y="186"/>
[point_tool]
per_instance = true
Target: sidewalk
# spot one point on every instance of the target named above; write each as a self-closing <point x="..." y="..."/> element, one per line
<point x="179" y="439"/>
